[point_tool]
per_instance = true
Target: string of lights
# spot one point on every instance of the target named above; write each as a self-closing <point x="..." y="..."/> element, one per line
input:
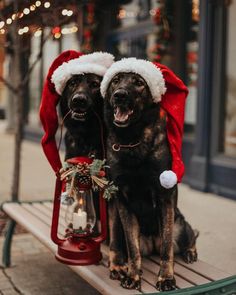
<point x="22" y="13"/>
<point x="57" y="31"/>
<point x="123" y="13"/>
<point x="26" y="11"/>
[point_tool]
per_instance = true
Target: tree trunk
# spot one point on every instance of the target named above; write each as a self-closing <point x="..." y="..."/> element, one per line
<point x="19" y="102"/>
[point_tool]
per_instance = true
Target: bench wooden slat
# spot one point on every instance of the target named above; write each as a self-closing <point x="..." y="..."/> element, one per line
<point x="147" y="284"/>
<point x="150" y="269"/>
<point x="41" y="207"/>
<point x="204" y="269"/>
<point x="153" y="269"/>
<point x="188" y="275"/>
<point x="48" y="215"/>
<point x="98" y="277"/>
<point x="47" y="209"/>
<point x="49" y="205"/>
<point x="31" y="223"/>
<point x="34" y="210"/>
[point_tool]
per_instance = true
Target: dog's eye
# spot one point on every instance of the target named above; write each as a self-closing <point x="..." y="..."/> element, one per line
<point x="115" y="80"/>
<point x="95" y="84"/>
<point x="139" y="83"/>
<point x="73" y="83"/>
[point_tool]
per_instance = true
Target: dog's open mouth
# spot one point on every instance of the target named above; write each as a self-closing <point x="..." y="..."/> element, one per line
<point x="121" y="117"/>
<point x="79" y="115"/>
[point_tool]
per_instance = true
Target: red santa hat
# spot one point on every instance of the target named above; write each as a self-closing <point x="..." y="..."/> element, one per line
<point x="66" y="65"/>
<point x="171" y="92"/>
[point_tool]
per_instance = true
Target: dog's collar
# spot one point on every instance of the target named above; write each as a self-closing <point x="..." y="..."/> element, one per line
<point x="117" y="147"/>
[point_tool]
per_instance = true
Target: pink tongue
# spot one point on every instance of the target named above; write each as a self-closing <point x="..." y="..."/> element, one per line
<point x="121" y="116"/>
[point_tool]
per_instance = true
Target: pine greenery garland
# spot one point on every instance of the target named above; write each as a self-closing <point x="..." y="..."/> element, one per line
<point x="94" y="172"/>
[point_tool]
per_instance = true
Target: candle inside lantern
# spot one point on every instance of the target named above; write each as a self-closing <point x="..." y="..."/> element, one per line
<point x="80" y="219"/>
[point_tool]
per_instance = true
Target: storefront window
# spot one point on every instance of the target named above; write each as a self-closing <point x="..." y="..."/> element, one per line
<point x="192" y="67"/>
<point x="230" y="114"/>
<point x="145" y="30"/>
<point x="134" y="12"/>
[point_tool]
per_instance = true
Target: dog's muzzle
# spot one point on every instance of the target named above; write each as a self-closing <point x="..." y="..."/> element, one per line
<point x="79" y="105"/>
<point x="122" y="108"/>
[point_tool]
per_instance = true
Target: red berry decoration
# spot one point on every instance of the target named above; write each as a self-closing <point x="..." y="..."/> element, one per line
<point x="101" y="173"/>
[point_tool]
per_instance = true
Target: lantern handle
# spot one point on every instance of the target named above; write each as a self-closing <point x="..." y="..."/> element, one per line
<point x="56" y="212"/>
<point x="103" y="217"/>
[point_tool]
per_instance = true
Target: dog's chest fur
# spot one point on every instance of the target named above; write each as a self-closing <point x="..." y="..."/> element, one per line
<point x="136" y="170"/>
<point x="84" y="139"/>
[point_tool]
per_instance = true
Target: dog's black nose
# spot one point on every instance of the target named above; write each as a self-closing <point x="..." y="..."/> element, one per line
<point x="120" y="95"/>
<point x="79" y="100"/>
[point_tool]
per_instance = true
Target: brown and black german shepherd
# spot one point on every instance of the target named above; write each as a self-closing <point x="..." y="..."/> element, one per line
<point x="143" y="217"/>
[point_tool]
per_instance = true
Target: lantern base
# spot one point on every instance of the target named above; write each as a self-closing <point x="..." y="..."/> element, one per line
<point x="74" y="251"/>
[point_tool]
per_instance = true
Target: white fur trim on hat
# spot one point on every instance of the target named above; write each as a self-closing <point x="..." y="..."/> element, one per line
<point x="95" y="63"/>
<point x="168" y="179"/>
<point x="146" y="69"/>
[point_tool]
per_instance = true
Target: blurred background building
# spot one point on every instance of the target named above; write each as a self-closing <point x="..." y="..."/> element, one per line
<point x="195" y="38"/>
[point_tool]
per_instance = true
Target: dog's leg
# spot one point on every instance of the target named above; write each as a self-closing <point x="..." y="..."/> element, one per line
<point x="190" y="254"/>
<point x="117" y="253"/>
<point x="132" y="235"/>
<point x="166" y="280"/>
<point x="185" y="238"/>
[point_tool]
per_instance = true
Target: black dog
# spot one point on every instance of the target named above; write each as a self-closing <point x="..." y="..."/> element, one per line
<point x="143" y="217"/>
<point x="81" y="106"/>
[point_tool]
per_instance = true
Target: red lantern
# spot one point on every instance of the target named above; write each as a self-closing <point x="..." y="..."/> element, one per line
<point x="79" y="247"/>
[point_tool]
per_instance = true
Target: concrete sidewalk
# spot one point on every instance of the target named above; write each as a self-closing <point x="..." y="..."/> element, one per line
<point x="35" y="271"/>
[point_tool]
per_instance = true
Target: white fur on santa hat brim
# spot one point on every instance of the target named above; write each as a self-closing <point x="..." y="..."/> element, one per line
<point x="94" y="63"/>
<point x="168" y="179"/>
<point x="146" y="69"/>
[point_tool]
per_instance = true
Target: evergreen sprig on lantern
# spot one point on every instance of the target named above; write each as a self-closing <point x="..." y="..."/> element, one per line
<point x="86" y="174"/>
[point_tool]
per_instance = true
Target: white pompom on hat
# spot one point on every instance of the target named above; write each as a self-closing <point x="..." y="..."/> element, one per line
<point x="146" y="69"/>
<point x="168" y="179"/>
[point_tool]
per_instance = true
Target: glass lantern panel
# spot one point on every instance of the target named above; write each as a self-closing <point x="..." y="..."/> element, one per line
<point x="81" y="216"/>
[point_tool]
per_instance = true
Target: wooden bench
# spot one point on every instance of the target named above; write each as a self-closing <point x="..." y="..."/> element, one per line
<point x="198" y="278"/>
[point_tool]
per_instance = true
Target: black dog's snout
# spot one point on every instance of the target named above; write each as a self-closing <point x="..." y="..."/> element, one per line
<point x="79" y="100"/>
<point x="120" y="95"/>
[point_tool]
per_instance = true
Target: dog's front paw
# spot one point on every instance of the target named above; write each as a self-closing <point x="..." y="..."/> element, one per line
<point x="131" y="283"/>
<point x="165" y="284"/>
<point x="190" y="256"/>
<point x="117" y="274"/>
